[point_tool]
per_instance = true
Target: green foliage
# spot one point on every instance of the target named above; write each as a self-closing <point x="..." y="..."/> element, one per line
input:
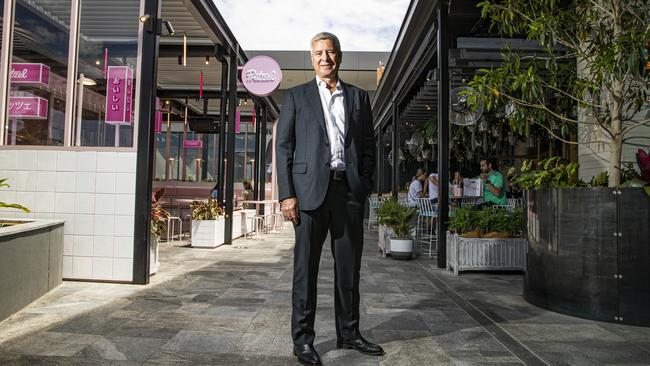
<point x="464" y="219"/>
<point x="206" y="210"/>
<point x="488" y="219"/>
<point x="551" y="173"/>
<point x="159" y="215"/>
<point x="592" y="57"/>
<point x="3" y="183"/>
<point x="397" y="217"/>
<point x="599" y="180"/>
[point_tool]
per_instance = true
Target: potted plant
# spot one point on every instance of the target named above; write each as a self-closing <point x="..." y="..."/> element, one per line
<point x="159" y="218"/>
<point x="603" y="226"/>
<point x="207" y="224"/>
<point x="10" y="205"/>
<point x="398" y="218"/>
<point x="486" y="239"/>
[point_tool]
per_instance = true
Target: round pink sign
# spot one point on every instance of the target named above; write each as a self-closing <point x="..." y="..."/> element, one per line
<point x="261" y="75"/>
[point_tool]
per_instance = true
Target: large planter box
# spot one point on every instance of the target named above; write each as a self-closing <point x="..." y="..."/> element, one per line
<point x="589" y="253"/>
<point x="210" y="233"/>
<point x="207" y="233"/>
<point x="31" y="262"/>
<point x="485" y="254"/>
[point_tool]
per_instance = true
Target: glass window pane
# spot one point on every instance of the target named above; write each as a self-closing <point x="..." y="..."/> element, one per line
<point x="37" y="97"/>
<point x="107" y="72"/>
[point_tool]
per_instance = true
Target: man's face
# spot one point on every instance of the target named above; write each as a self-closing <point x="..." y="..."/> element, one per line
<point x="422" y="177"/>
<point x="485" y="167"/>
<point x="325" y="59"/>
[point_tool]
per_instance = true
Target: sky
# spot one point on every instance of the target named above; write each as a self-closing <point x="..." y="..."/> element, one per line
<point x="360" y="25"/>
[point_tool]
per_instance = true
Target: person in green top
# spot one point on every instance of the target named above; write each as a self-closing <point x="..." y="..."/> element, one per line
<point x="493" y="184"/>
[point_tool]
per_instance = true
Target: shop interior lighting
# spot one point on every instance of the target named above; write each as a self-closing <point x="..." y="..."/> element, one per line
<point x="89" y="82"/>
<point x="207" y="60"/>
<point x="184" y="49"/>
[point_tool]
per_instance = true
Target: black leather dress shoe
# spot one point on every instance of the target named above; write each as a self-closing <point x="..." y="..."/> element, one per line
<point x="306" y="355"/>
<point x="361" y="345"/>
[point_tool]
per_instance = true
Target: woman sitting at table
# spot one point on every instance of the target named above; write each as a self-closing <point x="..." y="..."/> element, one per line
<point x="248" y="193"/>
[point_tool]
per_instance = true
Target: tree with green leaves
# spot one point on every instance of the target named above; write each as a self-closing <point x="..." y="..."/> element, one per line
<point x="588" y="77"/>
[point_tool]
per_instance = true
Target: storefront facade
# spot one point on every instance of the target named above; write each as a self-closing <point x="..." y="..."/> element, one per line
<point x="80" y="134"/>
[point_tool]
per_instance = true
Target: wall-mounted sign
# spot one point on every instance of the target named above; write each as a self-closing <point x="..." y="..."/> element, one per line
<point x="26" y="73"/>
<point x="28" y="107"/>
<point x="119" y="94"/>
<point x="193" y="144"/>
<point x="261" y="75"/>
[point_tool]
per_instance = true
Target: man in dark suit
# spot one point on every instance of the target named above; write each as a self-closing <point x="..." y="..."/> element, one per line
<point x="325" y="153"/>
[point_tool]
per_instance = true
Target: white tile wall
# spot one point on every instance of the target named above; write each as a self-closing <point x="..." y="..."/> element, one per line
<point x="123" y="247"/>
<point x="103" y="246"/>
<point x="45" y="181"/>
<point x="66" y="161"/>
<point x="67" y="266"/>
<point x="44" y="201"/>
<point x="124" y="204"/>
<point x="82" y="246"/>
<point x="85" y="182"/>
<point x="64" y="203"/>
<point x="27" y="160"/>
<point x="82" y="267"/>
<point x="65" y="181"/>
<point x="124" y="182"/>
<point x="105" y="183"/>
<point x="7" y="160"/>
<point x="105" y="204"/>
<point x="46" y="160"/>
<point x="124" y="226"/>
<point x="122" y="269"/>
<point x="84" y="224"/>
<point x="94" y="192"/>
<point x="24" y="181"/>
<point x="84" y="203"/>
<point x="104" y="225"/>
<point x="68" y="244"/>
<point x="87" y="161"/>
<point x="107" y="162"/>
<point x="102" y="268"/>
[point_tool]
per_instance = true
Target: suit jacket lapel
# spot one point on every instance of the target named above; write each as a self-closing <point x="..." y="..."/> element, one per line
<point x="313" y="98"/>
<point x="349" y="105"/>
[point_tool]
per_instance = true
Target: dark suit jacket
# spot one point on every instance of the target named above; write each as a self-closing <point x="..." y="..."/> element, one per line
<point x="302" y="148"/>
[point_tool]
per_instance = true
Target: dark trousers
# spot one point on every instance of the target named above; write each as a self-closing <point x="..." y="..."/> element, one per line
<point x="342" y="215"/>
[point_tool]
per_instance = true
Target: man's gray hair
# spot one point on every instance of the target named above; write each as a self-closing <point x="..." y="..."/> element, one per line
<point x="326" y="35"/>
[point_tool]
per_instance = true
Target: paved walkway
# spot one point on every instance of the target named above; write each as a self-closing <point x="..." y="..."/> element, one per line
<point x="231" y="306"/>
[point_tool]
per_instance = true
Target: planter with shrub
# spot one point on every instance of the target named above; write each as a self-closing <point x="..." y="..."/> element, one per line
<point x="486" y="239"/>
<point x="398" y="218"/>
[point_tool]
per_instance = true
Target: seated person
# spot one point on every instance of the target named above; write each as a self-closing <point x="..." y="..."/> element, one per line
<point x="416" y="190"/>
<point x="493" y="184"/>
<point x="248" y="194"/>
<point x="433" y="187"/>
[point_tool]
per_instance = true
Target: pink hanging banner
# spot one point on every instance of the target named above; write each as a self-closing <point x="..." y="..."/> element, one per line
<point x="27" y="73"/>
<point x="237" y="121"/>
<point x="193" y="144"/>
<point x="201" y="84"/>
<point x="28" y="107"/>
<point x="159" y="117"/>
<point x="119" y="94"/>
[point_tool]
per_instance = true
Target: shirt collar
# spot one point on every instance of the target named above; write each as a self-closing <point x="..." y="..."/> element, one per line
<point x="323" y="84"/>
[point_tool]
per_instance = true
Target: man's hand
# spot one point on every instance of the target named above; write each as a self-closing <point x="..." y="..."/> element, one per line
<point x="289" y="208"/>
